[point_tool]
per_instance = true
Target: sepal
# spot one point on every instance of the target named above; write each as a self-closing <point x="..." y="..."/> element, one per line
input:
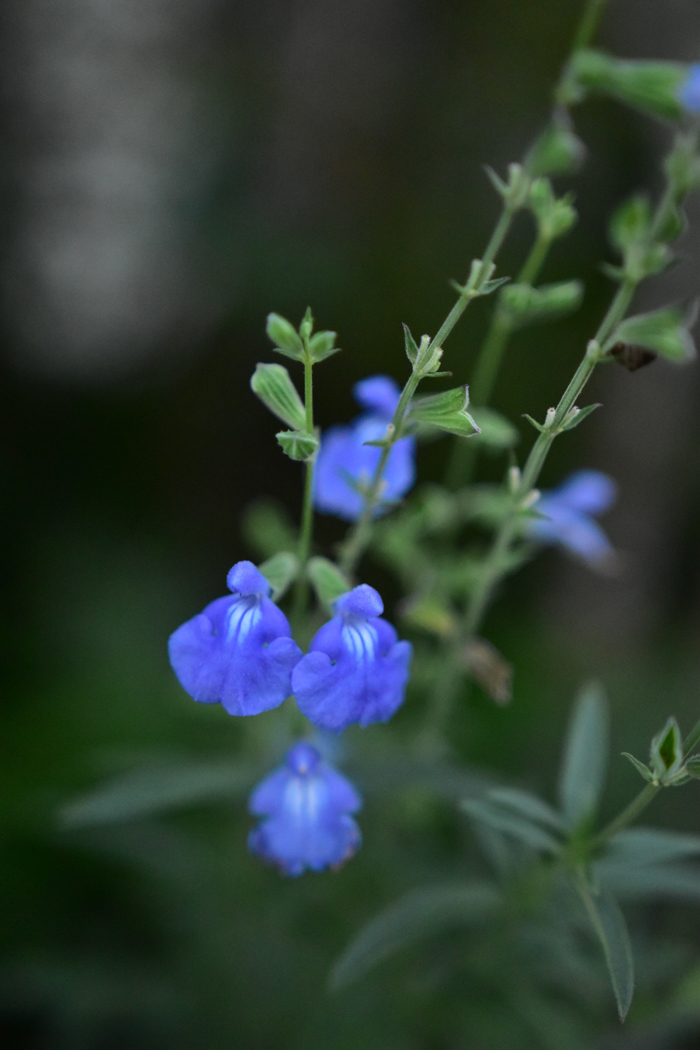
<point x="663" y="331"/>
<point x="643" y="770"/>
<point x="666" y="752"/>
<point x="280" y="571"/>
<point x="647" y="85"/>
<point x="274" y="387"/>
<point x="285" y="337"/>
<point x="448" y="411"/>
<point x="327" y="580"/>
<point x="577" y="415"/>
<point x="527" y="305"/>
<point x="555" y="215"/>
<point x="322" y="345"/>
<point x="557" y="151"/>
<point x="297" y="444"/>
<point x="516" y="189"/>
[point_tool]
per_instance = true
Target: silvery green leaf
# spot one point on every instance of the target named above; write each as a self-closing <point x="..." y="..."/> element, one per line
<point x="419" y="914"/>
<point x="651" y="846"/>
<point x="274" y="387"/>
<point x="327" y="579"/>
<point x="639" y="766"/>
<point x="585" y="758"/>
<point x="528" y="805"/>
<point x="297" y="444"/>
<point x="663" y="331"/>
<point x="653" y="881"/>
<point x="666" y="751"/>
<point x="611" y="928"/>
<point x="285" y="336"/>
<point x="157" y="788"/>
<point x="520" y="827"/>
<point x="497" y="432"/>
<point x="579" y="417"/>
<point x="280" y="570"/>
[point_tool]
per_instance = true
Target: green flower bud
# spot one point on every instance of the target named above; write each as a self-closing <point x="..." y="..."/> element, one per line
<point x="274" y="387"/>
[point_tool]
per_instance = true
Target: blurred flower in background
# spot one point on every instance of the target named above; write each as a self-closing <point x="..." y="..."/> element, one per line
<point x="568" y="516"/>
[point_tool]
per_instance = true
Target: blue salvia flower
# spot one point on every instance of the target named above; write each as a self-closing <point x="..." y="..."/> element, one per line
<point x="568" y="516"/>
<point x="689" y="93"/>
<point x="239" y="651"/>
<point x="345" y="463"/>
<point x="306" y="805"/>
<point x="355" y="670"/>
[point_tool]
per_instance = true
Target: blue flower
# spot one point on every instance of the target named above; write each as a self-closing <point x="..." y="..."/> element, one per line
<point x="239" y="651"/>
<point x="689" y="92"/>
<point x="568" y="516"/>
<point x="355" y="670"/>
<point x="307" y="806"/>
<point x="345" y="462"/>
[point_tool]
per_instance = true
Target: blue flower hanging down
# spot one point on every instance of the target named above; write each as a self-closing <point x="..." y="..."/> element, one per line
<point x="344" y="460"/>
<point x="690" y="90"/>
<point x="239" y="651"/>
<point x="355" y="670"/>
<point x="306" y="805"/>
<point x="569" y="511"/>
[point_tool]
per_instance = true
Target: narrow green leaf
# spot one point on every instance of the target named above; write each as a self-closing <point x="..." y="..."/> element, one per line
<point x="638" y="882"/>
<point x="418" y="914"/>
<point x="155" y="789"/>
<point x="327" y="580"/>
<point x="274" y="387"/>
<point x="515" y="824"/>
<point x="280" y="570"/>
<point x="585" y="757"/>
<point x="651" y="846"/>
<point x="643" y="770"/>
<point x="536" y="425"/>
<point x="528" y="805"/>
<point x="611" y="928"/>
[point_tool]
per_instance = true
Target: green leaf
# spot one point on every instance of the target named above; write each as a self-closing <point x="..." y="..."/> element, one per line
<point x="578" y="417"/>
<point x="585" y="757"/>
<point x="297" y="444"/>
<point x="157" y="788"/>
<point x="490" y="286"/>
<point x="267" y="528"/>
<point x="650" y="86"/>
<point x="322" y="345"/>
<point x="327" y="580"/>
<point x="528" y="805"/>
<point x="448" y="411"/>
<point x="526" y="305"/>
<point x="666" y="751"/>
<point x="419" y="914"/>
<point x="496" y="432"/>
<point x="520" y="827"/>
<point x="285" y="337"/>
<point x="643" y="770"/>
<point x="651" y="882"/>
<point x="274" y="387"/>
<point x="651" y="846"/>
<point x="611" y="928"/>
<point x="280" y="570"/>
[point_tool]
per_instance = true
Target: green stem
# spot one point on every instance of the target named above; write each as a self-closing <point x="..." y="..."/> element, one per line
<point x="301" y="590"/>
<point x="638" y="804"/>
<point x="588" y="24"/>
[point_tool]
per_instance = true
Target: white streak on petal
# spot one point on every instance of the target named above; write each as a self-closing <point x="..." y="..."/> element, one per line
<point x="360" y="639"/>
<point x="241" y="618"/>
